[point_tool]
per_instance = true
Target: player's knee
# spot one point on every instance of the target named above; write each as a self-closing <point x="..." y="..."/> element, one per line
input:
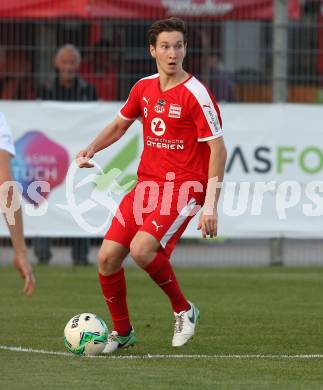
<point x="140" y="253"/>
<point x="108" y="258"/>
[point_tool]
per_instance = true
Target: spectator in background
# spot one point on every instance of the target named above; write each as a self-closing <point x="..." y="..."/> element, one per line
<point x="220" y="80"/>
<point x="98" y="69"/>
<point x="66" y="86"/>
<point x="16" y="81"/>
<point x="7" y="151"/>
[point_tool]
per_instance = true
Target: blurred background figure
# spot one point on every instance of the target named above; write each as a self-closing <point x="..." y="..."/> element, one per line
<point x="215" y="76"/>
<point x="99" y="70"/>
<point x="67" y="84"/>
<point x="16" y="75"/>
<point x="221" y="81"/>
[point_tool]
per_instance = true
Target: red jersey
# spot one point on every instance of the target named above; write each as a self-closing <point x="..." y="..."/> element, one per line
<point x="176" y="124"/>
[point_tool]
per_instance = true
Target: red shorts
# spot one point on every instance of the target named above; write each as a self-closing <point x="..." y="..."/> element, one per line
<point x="163" y="215"/>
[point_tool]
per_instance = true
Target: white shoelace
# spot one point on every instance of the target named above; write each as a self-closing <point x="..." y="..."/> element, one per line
<point x="179" y="321"/>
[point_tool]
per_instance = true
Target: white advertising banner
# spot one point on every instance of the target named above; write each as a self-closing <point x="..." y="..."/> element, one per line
<point x="273" y="182"/>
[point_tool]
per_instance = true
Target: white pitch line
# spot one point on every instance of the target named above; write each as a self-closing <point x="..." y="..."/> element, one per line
<point x="20" y="349"/>
<point x="149" y="356"/>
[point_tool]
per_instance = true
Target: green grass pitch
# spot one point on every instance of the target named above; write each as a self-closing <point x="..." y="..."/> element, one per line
<point x="244" y="311"/>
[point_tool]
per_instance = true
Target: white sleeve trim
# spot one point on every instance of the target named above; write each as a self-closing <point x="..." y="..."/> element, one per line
<point x="125" y="118"/>
<point x="204" y="100"/>
<point x="218" y="135"/>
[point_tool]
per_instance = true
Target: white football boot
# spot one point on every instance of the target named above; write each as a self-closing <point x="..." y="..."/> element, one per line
<point x="184" y="326"/>
<point x="119" y="342"/>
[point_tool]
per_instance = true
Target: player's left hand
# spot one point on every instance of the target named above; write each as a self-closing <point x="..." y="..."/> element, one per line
<point x="208" y="224"/>
<point x="26" y="272"/>
<point x="83" y="158"/>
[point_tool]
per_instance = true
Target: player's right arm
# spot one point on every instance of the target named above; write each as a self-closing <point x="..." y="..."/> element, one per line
<point x="130" y="111"/>
<point x="16" y="229"/>
<point x="108" y="136"/>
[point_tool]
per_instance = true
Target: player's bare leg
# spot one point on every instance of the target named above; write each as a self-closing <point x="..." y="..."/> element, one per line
<point x="110" y="257"/>
<point x="113" y="284"/>
<point x="143" y="248"/>
<point x="148" y="254"/>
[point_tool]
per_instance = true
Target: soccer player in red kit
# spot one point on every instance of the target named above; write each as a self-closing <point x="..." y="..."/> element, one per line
<point x="7" y="152"/>
<point x="183" y="154"/>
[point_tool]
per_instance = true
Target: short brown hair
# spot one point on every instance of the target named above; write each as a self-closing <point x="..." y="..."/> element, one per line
<point x="170" y="24"/>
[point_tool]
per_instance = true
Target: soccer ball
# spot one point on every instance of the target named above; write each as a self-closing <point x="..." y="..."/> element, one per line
<point x="85" y="334"/>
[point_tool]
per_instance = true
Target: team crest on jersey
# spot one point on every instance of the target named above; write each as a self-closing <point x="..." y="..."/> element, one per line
<point x="175" y="111"/>
<point x="160" y="106"/>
